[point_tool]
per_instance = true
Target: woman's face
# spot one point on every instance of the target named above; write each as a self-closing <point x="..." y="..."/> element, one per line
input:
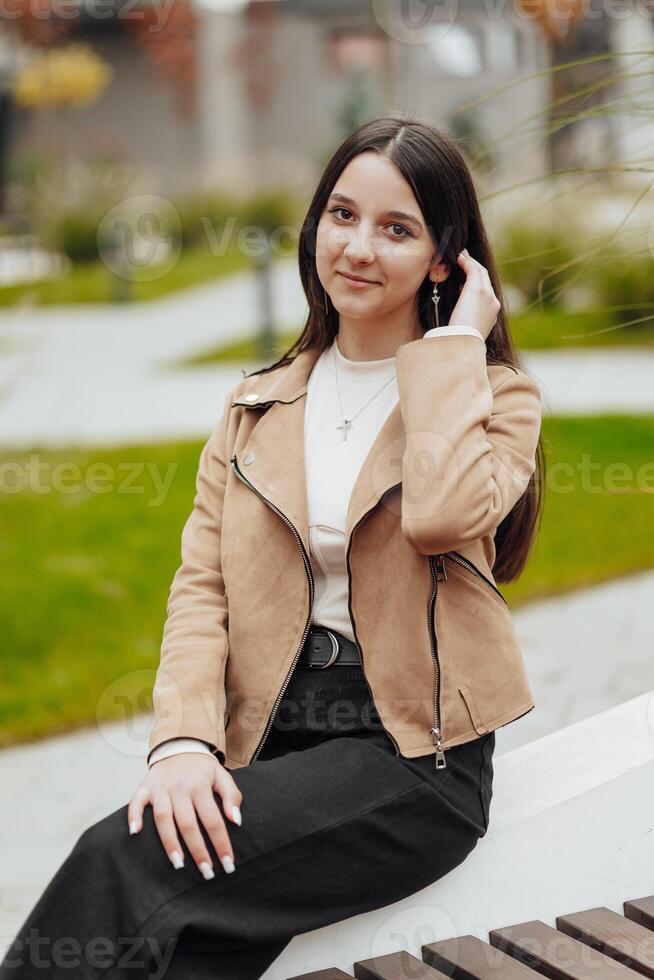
<point x="359" y="233"/>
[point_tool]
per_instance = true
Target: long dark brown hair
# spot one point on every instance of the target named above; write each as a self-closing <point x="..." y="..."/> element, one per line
<point x="432" y="163"/>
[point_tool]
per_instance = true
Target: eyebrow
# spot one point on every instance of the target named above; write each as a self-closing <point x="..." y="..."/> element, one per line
<point x="388" y="214"/>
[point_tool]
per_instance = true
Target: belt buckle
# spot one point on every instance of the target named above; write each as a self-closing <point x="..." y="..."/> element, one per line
<point x="334" y="653"/>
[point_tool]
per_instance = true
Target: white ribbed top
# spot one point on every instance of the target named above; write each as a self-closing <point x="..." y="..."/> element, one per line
<point x="332" y="466"/>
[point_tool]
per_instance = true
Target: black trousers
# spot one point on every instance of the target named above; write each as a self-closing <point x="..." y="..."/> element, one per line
<point x="334" y="824"/>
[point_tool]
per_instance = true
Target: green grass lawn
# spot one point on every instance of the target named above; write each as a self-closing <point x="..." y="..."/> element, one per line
<point x="92" y="282"/>
<point x="534" y="330"/>
<point x="545" y="328"/>
<point x="85" y="601"/>
<point x="242" y="352"/>
<point x="599" y="505"/>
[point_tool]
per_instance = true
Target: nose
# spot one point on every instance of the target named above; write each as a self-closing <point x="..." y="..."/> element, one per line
<point x="358" y="247"/>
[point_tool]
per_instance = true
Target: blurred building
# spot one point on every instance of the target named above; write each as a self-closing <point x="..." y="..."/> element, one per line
<point x="242" y="93"/>
<point x="331" y="64"/>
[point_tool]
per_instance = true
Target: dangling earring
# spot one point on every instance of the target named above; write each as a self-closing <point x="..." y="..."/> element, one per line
<point x="326" y="306"/>
<point x="435" y="298"/>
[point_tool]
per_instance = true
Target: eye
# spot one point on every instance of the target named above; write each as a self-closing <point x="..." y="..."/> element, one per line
<point x="407" y="233"/>
<point x="334" y="210"/>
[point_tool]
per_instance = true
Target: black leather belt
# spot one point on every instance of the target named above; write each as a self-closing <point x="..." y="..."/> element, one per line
<point x="327" y="648"/>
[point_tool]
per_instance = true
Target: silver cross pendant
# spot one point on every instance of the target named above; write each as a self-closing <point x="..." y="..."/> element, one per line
<point x="346" y="425"/>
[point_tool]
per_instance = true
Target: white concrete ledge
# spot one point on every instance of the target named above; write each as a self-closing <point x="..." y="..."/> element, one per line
<point x="571" y="828"/>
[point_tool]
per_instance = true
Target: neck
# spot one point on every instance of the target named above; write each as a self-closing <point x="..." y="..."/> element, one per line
<point x="360" y="340"/>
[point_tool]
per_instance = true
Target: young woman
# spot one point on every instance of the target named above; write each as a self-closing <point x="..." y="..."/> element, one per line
<point x="336" y="655"/>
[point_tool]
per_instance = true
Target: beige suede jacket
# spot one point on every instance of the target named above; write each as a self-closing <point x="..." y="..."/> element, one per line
<point x="439" y="648"/>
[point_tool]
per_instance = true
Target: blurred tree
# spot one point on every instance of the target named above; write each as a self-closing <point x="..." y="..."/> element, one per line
<point x="35" y="24"/>
<point x="253" y="56"/>
<point x="357" y="102"/>
<point x="168" y="43"/>
<point x="66" y="75"/>
<point x="555" y="20"/>
<point x="578" y="34"/>
<point x="171" y="46"/>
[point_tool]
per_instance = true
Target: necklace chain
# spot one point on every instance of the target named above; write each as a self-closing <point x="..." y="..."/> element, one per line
<point x="347" y="423"/>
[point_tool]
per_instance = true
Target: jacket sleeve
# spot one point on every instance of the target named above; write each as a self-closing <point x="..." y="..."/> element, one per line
<point x="470" y="450"/>
<point x="188" y="696"/>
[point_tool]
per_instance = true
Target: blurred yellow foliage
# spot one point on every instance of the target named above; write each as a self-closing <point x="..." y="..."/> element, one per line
<point x="556" y="20"/>
<point x="70" y="75"/>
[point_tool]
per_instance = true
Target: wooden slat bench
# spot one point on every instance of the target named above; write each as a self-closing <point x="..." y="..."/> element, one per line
<point x="595" y="944"/>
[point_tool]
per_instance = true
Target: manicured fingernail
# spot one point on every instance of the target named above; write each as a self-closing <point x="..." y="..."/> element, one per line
<point x="177" y="859"/>
<point x="207" y="871"/>
<point x="133" y="827"/>
<point x="236" y="815"/>
<point x="228" y="864"/>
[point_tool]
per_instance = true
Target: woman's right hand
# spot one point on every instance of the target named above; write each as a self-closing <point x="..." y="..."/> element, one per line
<point x="180" y="788"/>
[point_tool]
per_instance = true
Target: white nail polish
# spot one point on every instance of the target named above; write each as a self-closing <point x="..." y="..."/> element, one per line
<point x="236" y="814"/>
<point x="228" y="864"/>
<point x="133" y="827"/>
<point x="177" y="859"/>
<point x="207" y="871"/>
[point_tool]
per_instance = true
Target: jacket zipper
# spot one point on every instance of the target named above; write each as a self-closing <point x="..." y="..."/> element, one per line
<point x="349" y="606"/>
<point x="437" y="575"/>
<point x="440" y="575"/>
<point x="455" y="556"/>
<point x="307" y="565"/>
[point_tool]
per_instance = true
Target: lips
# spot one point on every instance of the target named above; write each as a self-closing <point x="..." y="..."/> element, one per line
<point x="347" y="275"/>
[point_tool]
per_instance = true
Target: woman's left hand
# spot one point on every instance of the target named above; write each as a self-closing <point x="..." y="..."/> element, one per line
<point x="477" y="305"/>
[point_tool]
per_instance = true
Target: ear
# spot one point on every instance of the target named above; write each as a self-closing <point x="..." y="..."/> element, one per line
<point x="439" y="270"/>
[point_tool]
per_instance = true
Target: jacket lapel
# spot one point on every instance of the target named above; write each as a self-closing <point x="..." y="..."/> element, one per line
<point x="277" y="441"/>
<point x="381" y="469"/>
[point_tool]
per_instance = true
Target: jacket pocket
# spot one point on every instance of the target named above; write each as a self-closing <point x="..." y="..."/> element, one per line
<point x="473" y="710"/>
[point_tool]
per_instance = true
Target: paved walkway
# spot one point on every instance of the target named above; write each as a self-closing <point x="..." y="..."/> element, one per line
<point x="100" y="374"/>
